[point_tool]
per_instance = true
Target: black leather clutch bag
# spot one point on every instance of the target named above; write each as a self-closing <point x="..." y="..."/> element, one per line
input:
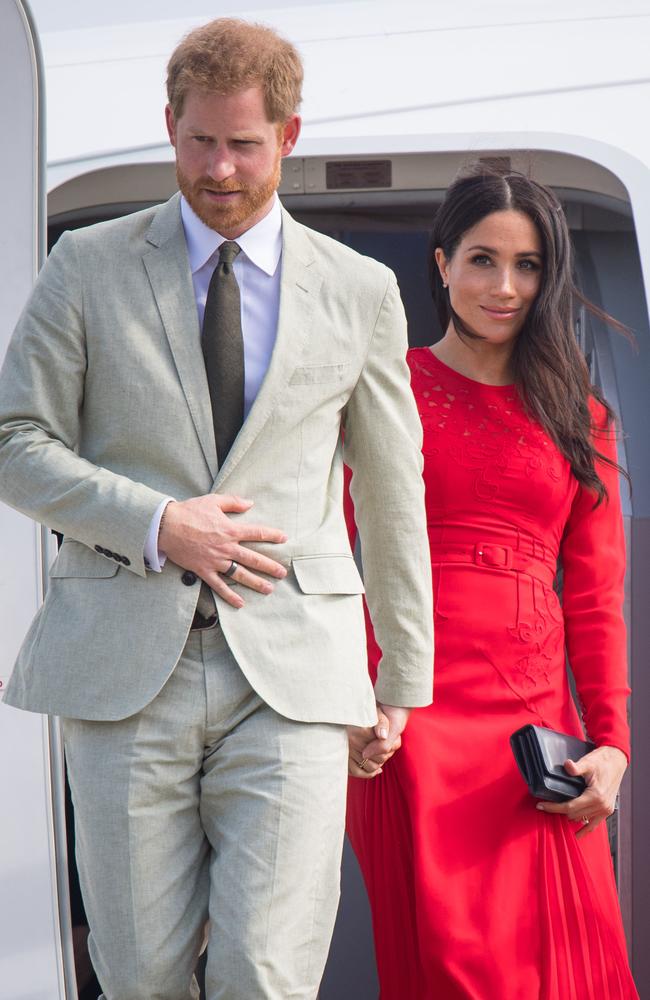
<point x="540" y="754"/>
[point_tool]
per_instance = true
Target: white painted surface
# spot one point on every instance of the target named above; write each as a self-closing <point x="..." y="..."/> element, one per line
<point x="380" y="78"/>
<point x="30" y="963"/>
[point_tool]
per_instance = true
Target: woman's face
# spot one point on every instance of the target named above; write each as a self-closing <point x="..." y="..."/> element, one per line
<point x="495" y="274"/>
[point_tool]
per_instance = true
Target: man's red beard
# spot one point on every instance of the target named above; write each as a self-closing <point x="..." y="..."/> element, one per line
<point x="226" y="218"/>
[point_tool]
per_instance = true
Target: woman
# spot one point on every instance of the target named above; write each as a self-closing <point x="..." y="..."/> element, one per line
<point x="477" y="891"/>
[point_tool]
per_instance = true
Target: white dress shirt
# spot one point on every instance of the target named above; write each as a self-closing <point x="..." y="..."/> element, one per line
<point x="257" y="269"/>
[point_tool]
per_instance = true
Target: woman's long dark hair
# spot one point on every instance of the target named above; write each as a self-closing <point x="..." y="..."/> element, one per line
<point x="550" y="371"/>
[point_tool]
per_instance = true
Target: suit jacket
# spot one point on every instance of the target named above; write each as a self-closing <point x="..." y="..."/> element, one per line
<point x="105" y="410"/>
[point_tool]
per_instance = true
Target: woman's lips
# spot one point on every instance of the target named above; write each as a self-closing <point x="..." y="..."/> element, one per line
<point x="500" y="313"/>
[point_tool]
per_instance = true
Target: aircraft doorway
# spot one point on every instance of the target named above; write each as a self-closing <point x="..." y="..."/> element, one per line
<point x="609" y="273"/>
<point x="393" y="226"/>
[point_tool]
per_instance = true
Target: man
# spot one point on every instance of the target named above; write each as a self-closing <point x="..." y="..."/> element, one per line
<point x="175" y="402"/>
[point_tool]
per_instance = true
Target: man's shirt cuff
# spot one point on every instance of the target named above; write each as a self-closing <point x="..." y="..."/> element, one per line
<point x="154" y="559"/>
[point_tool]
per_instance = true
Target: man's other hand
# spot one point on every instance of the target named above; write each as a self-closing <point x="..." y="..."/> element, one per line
<point x="198" y="535"/>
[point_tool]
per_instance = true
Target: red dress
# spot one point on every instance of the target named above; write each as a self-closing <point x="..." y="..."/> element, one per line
<point x="475" y="894"/>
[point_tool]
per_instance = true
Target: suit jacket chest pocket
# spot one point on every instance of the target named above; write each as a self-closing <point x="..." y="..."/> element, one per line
<point x="315" y="397"/>
<point x="316" y="394"/>
<point x="320" y="375"/>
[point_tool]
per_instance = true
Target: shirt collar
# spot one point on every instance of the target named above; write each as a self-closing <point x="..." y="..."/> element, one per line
<point x="262" y="243"/>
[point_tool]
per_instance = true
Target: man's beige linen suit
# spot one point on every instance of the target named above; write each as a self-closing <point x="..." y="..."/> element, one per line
<point x="104" y="412"/>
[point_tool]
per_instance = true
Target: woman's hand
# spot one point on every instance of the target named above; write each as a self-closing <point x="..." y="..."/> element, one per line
<point x="603" y="771"/>
<point x="364" y="738"/>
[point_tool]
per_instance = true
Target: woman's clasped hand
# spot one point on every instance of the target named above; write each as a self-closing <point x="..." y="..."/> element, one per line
<point x="602" y="771"/>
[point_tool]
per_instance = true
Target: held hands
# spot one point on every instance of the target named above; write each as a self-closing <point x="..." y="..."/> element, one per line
<point x="198" y="535"/>
<point x="370" y="748"/>
<point x="603" y="771"/>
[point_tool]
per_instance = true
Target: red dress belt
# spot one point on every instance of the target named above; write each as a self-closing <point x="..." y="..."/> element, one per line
<point x="521" y="553"/>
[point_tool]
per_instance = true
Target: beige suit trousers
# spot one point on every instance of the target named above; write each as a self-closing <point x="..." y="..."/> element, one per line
<point x="207" y="803"/>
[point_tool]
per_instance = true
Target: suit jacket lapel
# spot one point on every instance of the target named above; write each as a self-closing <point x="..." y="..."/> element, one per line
<point x="299" y="287"/>
<point x="168" y="268"/>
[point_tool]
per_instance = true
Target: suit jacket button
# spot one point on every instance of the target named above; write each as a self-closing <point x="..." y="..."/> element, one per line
<point x="99" y="548"/>
<point x="189" y="578"/>
<point x="126" y="560"/>
<point x="116" y="557"/>
<point x="107" y="552"/>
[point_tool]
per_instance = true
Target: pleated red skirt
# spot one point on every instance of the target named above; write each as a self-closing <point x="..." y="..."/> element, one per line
<point x="476" y="894"/>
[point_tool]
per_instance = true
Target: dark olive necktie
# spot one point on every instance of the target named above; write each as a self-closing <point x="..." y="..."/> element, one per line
<point x="223" y="350"/>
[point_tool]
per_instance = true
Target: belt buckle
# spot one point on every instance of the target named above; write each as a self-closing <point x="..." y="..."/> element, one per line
<point x="484" y="555"/>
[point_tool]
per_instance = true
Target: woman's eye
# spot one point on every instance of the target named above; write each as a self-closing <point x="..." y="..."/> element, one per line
<point x="529" y="265"/>
<point x="480" y="258"/>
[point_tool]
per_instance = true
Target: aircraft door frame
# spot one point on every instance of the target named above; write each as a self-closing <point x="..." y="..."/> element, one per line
<point x="36" y="959"/>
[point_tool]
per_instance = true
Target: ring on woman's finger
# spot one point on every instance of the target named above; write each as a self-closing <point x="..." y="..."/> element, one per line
<point x="232" y="569"/>
<point x="585" y="820"/>
<point x="363" y="762"/>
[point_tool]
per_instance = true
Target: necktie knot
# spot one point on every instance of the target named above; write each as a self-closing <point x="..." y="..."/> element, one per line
<point x="227" y="253"/>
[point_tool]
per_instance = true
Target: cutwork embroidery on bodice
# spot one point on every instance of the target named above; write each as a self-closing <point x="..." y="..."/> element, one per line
<point x="489" y="435"/>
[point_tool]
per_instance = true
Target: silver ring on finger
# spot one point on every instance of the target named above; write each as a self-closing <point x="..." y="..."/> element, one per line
<point x="584" y="820"/>
<point x="232" y="569"/>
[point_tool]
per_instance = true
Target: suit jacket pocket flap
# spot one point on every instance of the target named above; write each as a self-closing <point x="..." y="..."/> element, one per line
<point x="327" y="574"/>
<point x="77" y="560"/>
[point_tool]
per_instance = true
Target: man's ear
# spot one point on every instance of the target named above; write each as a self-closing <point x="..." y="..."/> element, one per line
<point x="170" y="122"/>
<point x="289" y="134"/>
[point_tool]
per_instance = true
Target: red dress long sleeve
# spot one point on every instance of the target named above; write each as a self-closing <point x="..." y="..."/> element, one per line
<point x="476" y="895"/>
<point x="593" y="559"/>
